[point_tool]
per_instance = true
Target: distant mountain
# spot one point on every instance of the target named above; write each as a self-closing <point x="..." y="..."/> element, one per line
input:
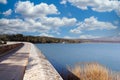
<point x="109" y="39"/>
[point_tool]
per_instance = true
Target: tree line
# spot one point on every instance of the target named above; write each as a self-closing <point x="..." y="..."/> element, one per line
<point x="36" y="39"/>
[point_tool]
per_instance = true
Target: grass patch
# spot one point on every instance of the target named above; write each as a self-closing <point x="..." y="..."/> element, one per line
<point x="92" y="71"/>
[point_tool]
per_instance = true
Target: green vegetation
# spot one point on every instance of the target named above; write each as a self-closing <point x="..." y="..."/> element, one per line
<point x="92" y="72"/>
<point x="43" y="39"/>
<point x="37" y="39"/>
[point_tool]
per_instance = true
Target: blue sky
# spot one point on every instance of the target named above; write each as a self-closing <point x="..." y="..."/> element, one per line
<point x="60" y="18"/>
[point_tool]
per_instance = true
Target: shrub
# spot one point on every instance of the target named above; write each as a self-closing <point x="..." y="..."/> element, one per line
<point x="92" y="71"/>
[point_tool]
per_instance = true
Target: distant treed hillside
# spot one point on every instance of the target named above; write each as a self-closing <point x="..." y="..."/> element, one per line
<point x="43" y="39"/>
<point x="36" y="39"/>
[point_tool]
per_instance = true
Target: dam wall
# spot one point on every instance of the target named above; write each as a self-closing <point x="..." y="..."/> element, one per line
<point x="39" y="68"/>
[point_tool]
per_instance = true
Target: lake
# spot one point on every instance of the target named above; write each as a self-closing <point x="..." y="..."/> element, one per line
<point x="63" y="55"/>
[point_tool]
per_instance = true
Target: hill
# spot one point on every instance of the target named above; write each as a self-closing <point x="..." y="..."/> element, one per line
<point x="44" y="39"/>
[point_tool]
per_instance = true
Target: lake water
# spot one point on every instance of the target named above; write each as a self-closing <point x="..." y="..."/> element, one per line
<point x="62" y="55"/>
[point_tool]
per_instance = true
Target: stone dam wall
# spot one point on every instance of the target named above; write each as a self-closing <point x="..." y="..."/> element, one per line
<point x="27" y="62"/>
<point x="39" y="68"/>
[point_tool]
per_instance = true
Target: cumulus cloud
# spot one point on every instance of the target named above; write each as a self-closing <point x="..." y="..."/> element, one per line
<point x="3" y="1"/>
<point x="8" y="12"/>
<point x="11" y="26"/>
<point x="63" y="2"/>
<point x="58" y="22"/>
<point x="34" y="19"/>
<point x="96" y="5"/>
<point x="28" y="9"/>
<point x="32" y="25"/>
<point x="44" y="25"/>
<point x="83" y="36"/>
<point x="92" y="24"/>
<point x="88" y="36"/>
<point x="76" y="31"/>
<point x="69" y="37"/>
<point x="19" y="26"/>
<point x="118" y="10"/>
<point x="45" y="34"/>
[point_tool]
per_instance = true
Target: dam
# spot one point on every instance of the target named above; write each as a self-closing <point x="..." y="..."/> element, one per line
<point x="25" y="62"/>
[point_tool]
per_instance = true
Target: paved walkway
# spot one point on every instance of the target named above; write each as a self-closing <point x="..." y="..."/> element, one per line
<point x="12" y="66"/>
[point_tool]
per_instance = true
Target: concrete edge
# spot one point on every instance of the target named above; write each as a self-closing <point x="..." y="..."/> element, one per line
<point x="39" y="68"/>
<point x="40" y="54"/>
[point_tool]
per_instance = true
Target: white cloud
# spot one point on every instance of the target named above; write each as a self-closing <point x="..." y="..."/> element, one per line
<point x="88" y="36"/>
<point x="70" y="37"/>
<point x="35" y="19"/>
<point x="85" y="36"/>
<point x="63" y="2"/>
<point x="3" y="1"/>
<point x="45" y="34"/>
<point x="58" y="22"/>
<point x="8" y="12"/>
<point x="28" y="9"/>
<point x="76" y="31"/>
<point x="32" y="25"/>
<point x="96" y="5"/>
<point x="92" y="24"/>
<point x="19" y="26"/>
<point x="11" y="26"/>
<point x="118" y="10"/>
